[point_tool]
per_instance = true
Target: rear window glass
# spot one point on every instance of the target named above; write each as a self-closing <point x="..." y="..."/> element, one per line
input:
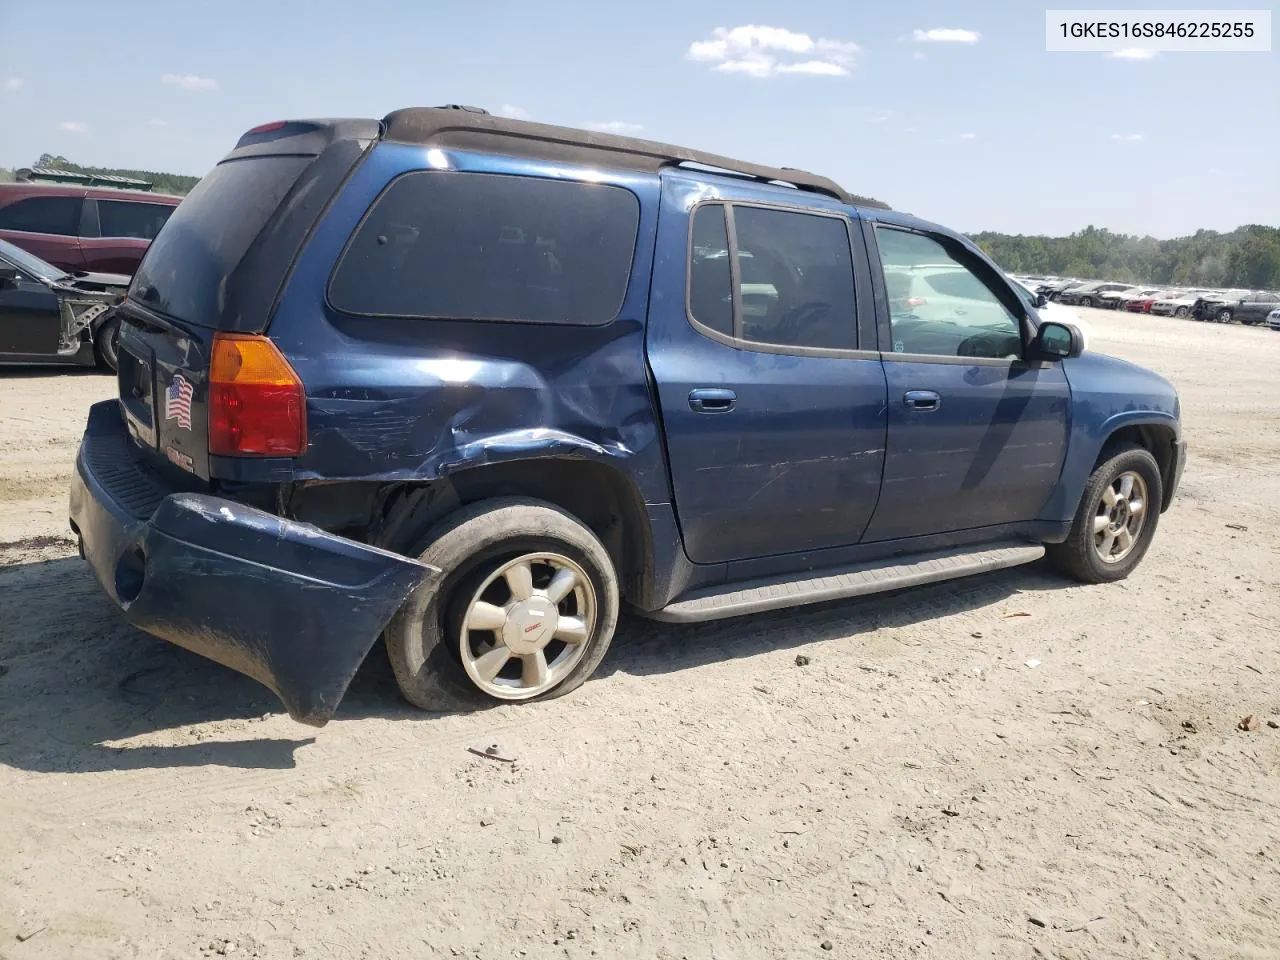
<point x="131" y="218"/>
<point x="493" y="247"/>
<point x="185" y="270"/>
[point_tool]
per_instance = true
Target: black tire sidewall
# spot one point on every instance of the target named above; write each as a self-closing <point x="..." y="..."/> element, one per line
<point x="1140" y="461"/>
<point x="422" y="637"/>
<point x="105" y="343"/>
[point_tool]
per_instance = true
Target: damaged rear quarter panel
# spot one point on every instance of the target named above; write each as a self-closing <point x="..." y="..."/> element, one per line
<point x="402" y="399"/>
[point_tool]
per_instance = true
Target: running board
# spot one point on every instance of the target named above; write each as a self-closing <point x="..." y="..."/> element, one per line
<point x="755" y="596"/>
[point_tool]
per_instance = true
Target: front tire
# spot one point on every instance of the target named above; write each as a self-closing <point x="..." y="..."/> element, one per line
<point x="1181" y="313"/>
<point x="525" y="610"/>
<point x="1116" y="519"/>
<point x="1224" y="316"/>
<point x="1086" y="301"/>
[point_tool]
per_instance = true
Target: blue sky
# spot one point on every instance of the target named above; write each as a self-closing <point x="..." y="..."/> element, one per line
<point x="979" y="128"/>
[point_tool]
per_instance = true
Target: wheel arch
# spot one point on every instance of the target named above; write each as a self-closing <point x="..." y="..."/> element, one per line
<point x="1158" y="437"/>
<point x="595" y="491"/>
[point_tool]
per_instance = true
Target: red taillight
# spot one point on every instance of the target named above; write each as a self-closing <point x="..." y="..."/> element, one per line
<point x="267" y="127"/>
<point x="916" y="301"/>
<point x="256" y="403"/>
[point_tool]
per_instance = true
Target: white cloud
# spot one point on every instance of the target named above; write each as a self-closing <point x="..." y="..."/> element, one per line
<point x="1128" y="137"/>
<point x="157" y="122"/>
<point x="917" y="55"/>
<point x="512" y="112"/>
<point x="14" y="83"/>
<point x="968" y="136"/>
<point x="946" y="35"/>
<point x="621" y="128"/>
<point x="878" y="118"/>
<point x="189" y="81"/>
<point x="73" y="126"/>
<point x="1133" y="53"/>
<point x="759" y="51"/>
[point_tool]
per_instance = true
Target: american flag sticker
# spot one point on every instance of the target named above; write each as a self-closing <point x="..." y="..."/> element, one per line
<point x="177" y="402"/>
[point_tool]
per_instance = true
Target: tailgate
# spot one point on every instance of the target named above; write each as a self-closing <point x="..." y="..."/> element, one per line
<point x="163" y="380"/>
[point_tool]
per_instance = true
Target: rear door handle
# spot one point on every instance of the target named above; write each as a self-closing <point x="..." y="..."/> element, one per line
<point x="923" y="401"/>
<point x="711" y="400"/>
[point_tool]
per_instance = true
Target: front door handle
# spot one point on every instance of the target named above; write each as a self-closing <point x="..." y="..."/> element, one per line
<point x="711" y="400"/>
<point x="922" y="401"/>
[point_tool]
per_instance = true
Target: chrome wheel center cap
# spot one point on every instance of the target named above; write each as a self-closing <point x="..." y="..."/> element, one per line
<point x="530" y="625"/>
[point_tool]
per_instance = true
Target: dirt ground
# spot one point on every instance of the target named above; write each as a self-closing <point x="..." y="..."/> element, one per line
<point x="919" y="789"/>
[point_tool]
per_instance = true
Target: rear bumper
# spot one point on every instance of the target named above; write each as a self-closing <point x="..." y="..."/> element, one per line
<point x="293" y="607"/>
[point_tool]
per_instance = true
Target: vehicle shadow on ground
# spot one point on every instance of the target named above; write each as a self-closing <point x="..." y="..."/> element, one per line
<point x="76" y="681"/>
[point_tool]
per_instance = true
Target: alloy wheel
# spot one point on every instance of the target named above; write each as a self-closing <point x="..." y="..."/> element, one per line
<point x="527" y="626"/>
<point x="1121" y="515"/>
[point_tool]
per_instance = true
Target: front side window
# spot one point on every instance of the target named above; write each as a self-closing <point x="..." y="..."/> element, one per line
<point x="134" y="219"/>
<point x="492" y="247"/>
<point x="938" y="306"/>
<point x="795" y="277"/>
<point x="55" y="215"/>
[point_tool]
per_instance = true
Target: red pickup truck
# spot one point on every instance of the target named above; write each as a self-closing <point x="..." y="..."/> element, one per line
<point x="95" y="229"/>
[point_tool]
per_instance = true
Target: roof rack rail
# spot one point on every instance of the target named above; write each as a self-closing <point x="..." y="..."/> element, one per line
<point x="467" y="128"/>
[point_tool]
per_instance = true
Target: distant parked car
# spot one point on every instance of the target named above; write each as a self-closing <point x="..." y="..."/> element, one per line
<point x="1142" y="301"/>
<point x="1250" y="308"/>
<point x="99" y="229"/>
<point x="1273" y="320"/>
<point x="1110" y="299"/>
<point x="1089" y="294"/>
<point x="50" y="316"/>
<point x="1177" y="304"/>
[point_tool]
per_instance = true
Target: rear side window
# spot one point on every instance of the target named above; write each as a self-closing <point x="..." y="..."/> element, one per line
<point x="135" y="219"/>
<point x="795" y="277"/>
<point x="710" y="281"/>
<point x="55" y="215"/>
<point x="490" y="247"/>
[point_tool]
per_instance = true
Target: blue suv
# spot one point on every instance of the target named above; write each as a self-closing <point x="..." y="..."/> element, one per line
<point x="472" y="385"/>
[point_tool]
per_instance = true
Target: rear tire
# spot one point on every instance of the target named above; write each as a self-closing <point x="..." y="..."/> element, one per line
<point x="1082" y="554"/>
<point x="1086" y="301"/>
<point x="1225" y="316"/>
<point x="105" y="342"/>
<point x="1181" y="313"/>
<point x="443" y="655"/>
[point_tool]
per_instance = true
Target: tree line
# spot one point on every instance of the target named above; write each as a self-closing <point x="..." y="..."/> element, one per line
<point x="1248" y="257"/>
<point x="173" y="183"/>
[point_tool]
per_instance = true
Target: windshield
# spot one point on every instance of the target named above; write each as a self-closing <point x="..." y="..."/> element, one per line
<point x="29" y="262"/>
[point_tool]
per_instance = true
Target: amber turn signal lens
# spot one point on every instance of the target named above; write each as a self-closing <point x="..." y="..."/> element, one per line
<point x="257" y="406"/>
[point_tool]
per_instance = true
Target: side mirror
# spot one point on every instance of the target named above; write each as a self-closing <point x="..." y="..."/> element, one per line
<point x="1057" y="341"/>
<point x="8" y="277"/>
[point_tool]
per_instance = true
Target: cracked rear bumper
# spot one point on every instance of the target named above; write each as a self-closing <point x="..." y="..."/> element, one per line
<point x="286" y="603"/>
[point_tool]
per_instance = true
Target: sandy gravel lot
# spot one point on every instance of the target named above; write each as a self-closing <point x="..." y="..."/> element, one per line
<point x="915" y="791"/>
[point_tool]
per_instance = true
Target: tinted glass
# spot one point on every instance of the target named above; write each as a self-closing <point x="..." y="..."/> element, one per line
<point x="127" y="218"/>
<point x="710" y="285"/>
<point x="485" y="246"/>
<point x="184" y="271"/>
<point x="938" y="306"/>
<point x="56" y="215"/>
<point x="28" y="262"/>
<point x="797" y="278"/>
